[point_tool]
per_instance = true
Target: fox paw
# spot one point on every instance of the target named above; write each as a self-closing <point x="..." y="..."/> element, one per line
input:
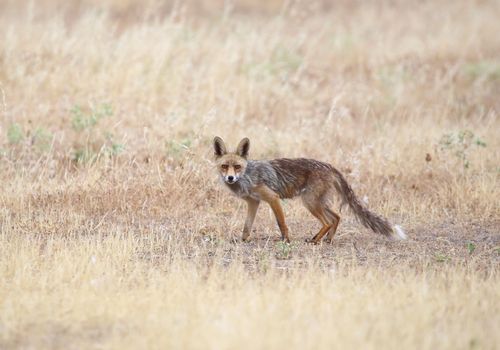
<point x="311" y="241"/>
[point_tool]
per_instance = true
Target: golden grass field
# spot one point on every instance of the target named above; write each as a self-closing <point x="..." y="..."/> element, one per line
<point x="116" y="233"/>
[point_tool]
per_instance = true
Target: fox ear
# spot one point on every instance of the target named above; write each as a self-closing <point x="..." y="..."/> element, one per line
<point x="219" y="147"/>
<point x="243" y="147"/>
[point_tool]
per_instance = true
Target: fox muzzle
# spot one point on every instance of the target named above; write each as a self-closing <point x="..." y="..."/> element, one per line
<point x="231" y="179"/>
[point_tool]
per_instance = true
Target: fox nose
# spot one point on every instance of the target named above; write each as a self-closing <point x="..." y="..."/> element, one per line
<point x="230" y="178"/>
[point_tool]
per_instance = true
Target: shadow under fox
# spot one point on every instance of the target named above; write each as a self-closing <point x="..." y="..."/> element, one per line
<point x="272" y="180"/>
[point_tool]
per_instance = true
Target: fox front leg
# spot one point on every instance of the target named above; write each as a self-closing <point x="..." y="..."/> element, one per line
<point x="253" y="205"/>
<point x="273" y="200"/>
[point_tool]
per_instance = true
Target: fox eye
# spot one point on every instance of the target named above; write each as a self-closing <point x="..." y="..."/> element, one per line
<point x="237" y="167"/>
<point x="224" y="166"/>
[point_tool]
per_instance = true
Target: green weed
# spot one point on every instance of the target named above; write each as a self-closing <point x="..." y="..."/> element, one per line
<point x="440" y="257"/>
<point x="177" y="148"/>
<point x="471" y="247"/>
<point x="42" y="139"/>
<point x="459" y="144"/>
<point x="81" y="120"/>
<point x="284" y="250"/>
<point x="485" y="69"/>
<point x="15" y="134"/>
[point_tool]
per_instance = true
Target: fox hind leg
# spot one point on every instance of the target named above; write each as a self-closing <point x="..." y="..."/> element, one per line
<point x="319" y="209"/>
<point x="335" y="219"/>
<point x="319" y="213"/>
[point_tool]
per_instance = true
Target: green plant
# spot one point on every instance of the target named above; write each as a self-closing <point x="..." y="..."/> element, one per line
<point x="459" y="144"/>
<point x="95" y="143"/>
<point x="483" y="69"/>
<point x="15" y="133"/>
<point x="81" y="120"/>
<point x="283" y="59"/>
<point x="262" y="260"/>
<point x="471" y="247"/>
<point x="440" y="257"/>
<point x="284" y="250"/>
<point x="177" y="148"/>
<point x="113" y="148"/>
<point x="83" y="155"/>
<point x="42" y="139"/>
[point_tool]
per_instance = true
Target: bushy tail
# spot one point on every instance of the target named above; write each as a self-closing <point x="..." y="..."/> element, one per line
<point x="367" y="218"/>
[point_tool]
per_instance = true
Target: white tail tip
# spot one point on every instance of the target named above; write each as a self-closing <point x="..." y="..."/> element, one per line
<point x="399" y="233"/>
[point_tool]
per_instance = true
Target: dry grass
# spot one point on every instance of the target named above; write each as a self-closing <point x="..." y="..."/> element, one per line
<point x="116" y="234"/>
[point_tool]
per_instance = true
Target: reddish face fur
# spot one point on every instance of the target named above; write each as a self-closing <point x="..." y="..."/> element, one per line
<point x="231" y="164"/>
<point x="230" y="167"/>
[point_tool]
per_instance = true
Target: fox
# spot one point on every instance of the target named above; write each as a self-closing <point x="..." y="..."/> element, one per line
<point x="315" y="182"/>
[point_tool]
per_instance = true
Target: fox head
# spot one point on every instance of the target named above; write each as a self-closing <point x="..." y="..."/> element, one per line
<point x="231" y="165"/>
